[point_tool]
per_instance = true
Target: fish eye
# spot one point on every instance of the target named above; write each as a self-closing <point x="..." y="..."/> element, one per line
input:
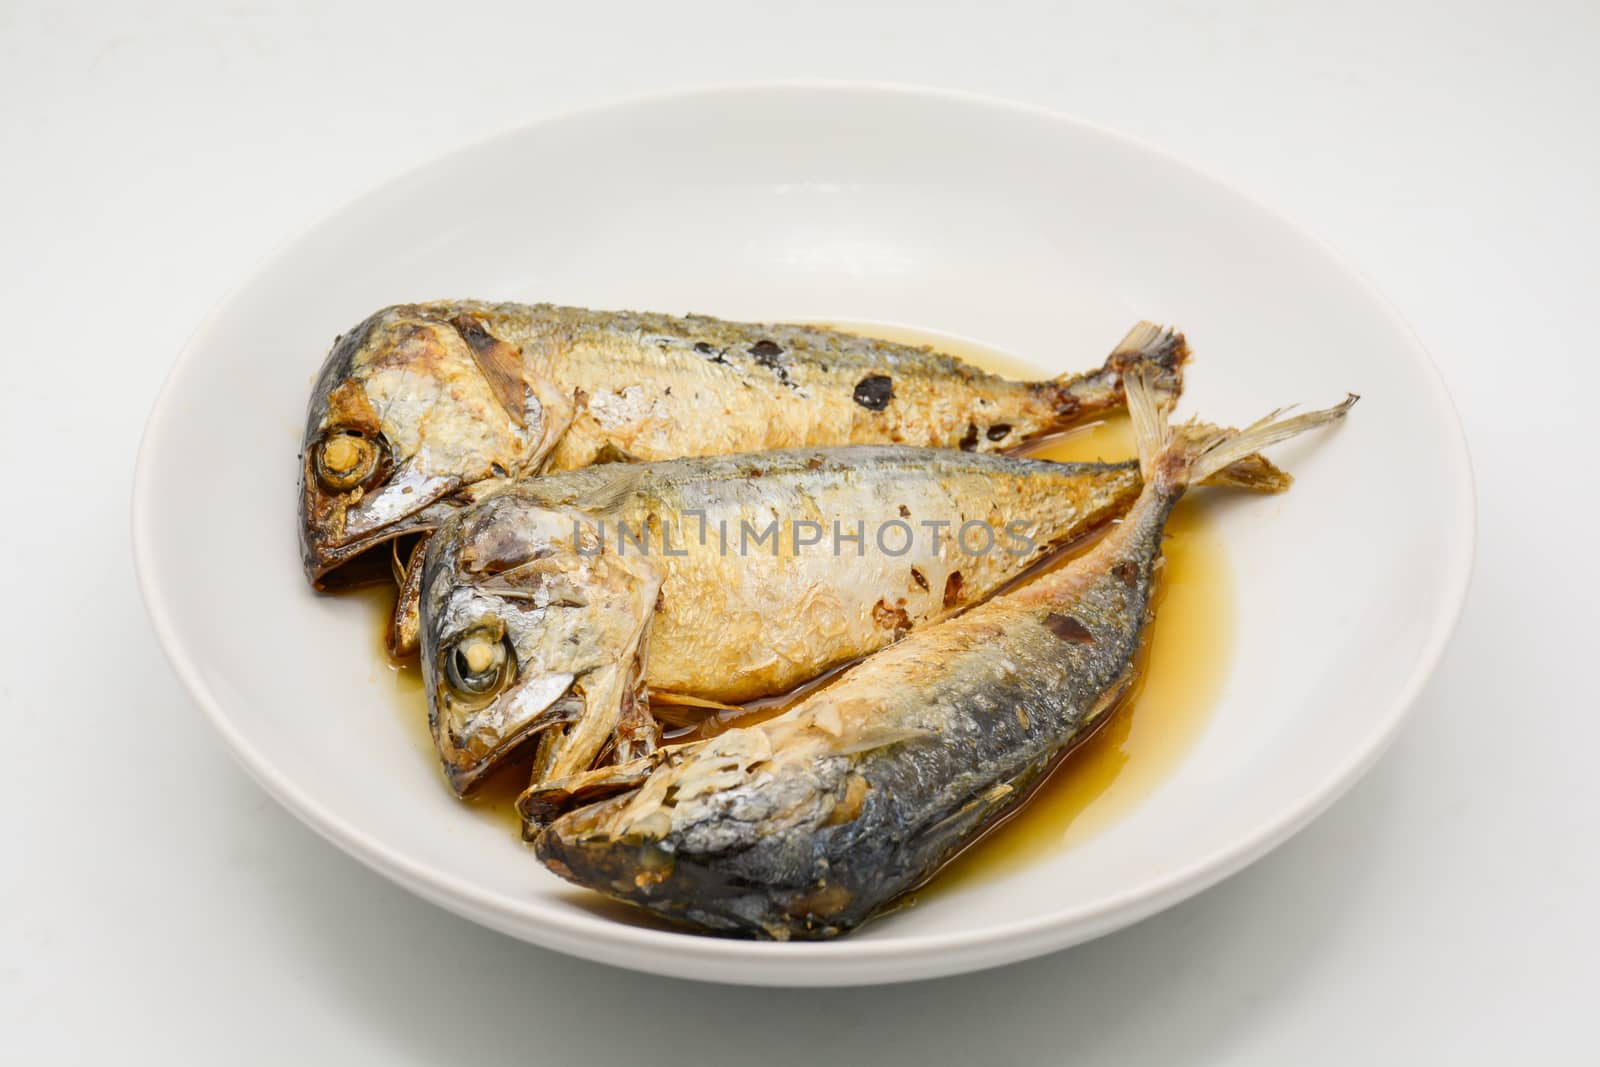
<point x="346" y="460"/>
<point x="477" y="666"/>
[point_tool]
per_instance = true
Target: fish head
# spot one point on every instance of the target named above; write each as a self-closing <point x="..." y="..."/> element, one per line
<point x="726" y="833"/>
<point x="530" y="631"/>
<point x="417" y="411"/>
<point x="643" y="831"/>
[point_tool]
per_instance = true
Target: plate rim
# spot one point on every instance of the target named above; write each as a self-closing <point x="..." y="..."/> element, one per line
<point x="809" y="963"/>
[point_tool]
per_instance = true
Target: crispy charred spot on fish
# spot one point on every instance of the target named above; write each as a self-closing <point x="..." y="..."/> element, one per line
<point x="1059" y="395"/>
<point x="711" y="352"/>
<point x="998" y="432"/>
<point x="1127" y="573"/>
<point x="1068" y="629"/>
<point x="891" y="617"/>
<point x="952" y="589"/>
<point x="969" y="440"/>
<point x="920" y="578"/>
<point x="769" y="354"/>
<point x="874" y="392"/>
<point x="905" y="512"/>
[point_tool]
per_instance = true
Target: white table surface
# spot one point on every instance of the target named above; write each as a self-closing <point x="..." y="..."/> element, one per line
<point x="156" y="905"/>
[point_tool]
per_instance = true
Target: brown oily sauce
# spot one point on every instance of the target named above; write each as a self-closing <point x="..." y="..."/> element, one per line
<point x="401" y="680"/>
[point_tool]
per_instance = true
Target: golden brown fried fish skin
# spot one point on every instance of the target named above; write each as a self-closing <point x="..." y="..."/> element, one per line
<point x="425" y="405"/>
<point x="809" y="824"/>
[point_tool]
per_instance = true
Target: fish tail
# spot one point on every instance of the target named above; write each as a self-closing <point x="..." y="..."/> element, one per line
<point x="1254" y="472"/>
<point x="1196" y="452"/>
<point x="1160" y="350"/>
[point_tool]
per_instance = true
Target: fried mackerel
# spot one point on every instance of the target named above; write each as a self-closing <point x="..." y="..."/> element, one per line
<point x="423" y="408"/>
<point x="808" y="824"/>
<point x="558" y="607"/>
<point x="551" y="609"/>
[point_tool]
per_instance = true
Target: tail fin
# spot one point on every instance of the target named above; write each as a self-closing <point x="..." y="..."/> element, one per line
<point x="1254" y="472"/>
<point x="1195" y="452"/>
<point x="1160" y="350"/>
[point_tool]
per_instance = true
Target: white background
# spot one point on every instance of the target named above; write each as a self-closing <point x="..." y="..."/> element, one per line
<point x="156" y="906"/>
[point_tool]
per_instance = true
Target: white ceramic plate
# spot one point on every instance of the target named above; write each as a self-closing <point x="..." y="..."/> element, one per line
<point x="1022" y="229"/>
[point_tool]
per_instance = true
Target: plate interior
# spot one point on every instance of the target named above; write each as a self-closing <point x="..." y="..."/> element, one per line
<point x="1020" y="230"/>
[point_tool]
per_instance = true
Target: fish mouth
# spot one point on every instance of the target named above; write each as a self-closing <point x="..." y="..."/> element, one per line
<point x="647" y="868"/>
<point x="543" y="802"/>
<point x="388" y="557"/>
<point x="585" y="847"/>
<point x="578" y="848"/>
<point x="357" y="563"/>
<point x="334" y="559"/>
<point x="474" y="741"/>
